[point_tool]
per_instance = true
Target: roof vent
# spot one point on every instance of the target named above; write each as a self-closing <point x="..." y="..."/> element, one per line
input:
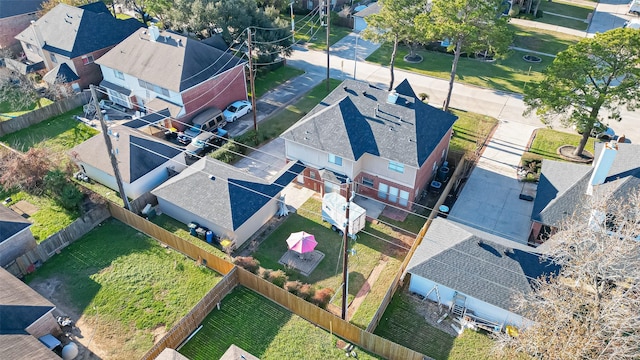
<point x="345" y="88"/>
<point x="390" y="128"/>
<point x="392" y="97"/>
<point x="212" y="178"/>
<point x="364" y="93"/>
<point x="508" y="251"/>
<point x="154" y="33"/>
<point x="179" y="42"/>
<point x="480" y="242"/>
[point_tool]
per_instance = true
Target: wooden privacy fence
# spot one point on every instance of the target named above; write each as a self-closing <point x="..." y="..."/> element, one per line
<point x="326" y="320"/>
<point x="54" y="243"/>
<point x="166" y="237"/>
<point x="190" y="322"/>
<point x="38" y="115"/>
<point x="396" y="281"/>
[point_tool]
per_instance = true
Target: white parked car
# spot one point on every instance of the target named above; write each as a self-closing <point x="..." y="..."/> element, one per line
<point x="236" y="110"/>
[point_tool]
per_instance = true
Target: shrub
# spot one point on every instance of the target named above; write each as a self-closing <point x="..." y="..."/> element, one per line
<point x="306" y="292"/>
<point x="514" y="11"/>
<point x="248" y="263"/>
<point x="293" y="286"/>
<point x="423" y="96"/>
<point x="278" y="278"/>
<point x="264" y="273"/>
<point x="539" y="14"/>
<point x="322" y="297"/>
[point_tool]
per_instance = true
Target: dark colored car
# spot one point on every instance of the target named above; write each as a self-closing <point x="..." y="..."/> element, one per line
<point x="205" y="141"/>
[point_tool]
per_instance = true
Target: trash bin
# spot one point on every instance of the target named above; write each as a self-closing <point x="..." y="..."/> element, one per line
<point x="201" y="232"/>
<point x="209" y="236"/>
<point x="192" y="228"/>
<point x="443" y="173"/>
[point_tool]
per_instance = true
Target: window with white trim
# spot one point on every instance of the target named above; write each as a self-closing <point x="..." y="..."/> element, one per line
<point x="155" y="88"/>
<point x="404" y="198"/>
<point x="118" y="74"/>
<point x="53" y="58"/>
<point x="88" y="59"/>
<point x="366" y="181"/>
<point x="119" y="98"/>
<point x="334" y="159"/>
<point x="396" y="166"/>
<point x="382" y="191"/>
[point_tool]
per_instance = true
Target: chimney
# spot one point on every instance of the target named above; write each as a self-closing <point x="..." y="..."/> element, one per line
<point x="603" y="165"/>
<point x="154" y="33"/>
<point x="392" y="97"/>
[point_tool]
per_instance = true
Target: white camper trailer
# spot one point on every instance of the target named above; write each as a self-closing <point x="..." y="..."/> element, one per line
<point x="333" y="211"/>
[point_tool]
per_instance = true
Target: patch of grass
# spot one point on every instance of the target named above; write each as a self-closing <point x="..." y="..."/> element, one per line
<point x="104" y="191"/>
<point x="125" y="285"/>
<point x="319" y="33"/>
<point x="567" y="8"/>
<point x="121" y="16"/>
<point x="57" y="134"/>
<point x="469" y="128"/>
<point x="50" y="217"/>
<point x="269" y="80"/>
<point x="277" y="335"/>
<point x="364" y="314"/>
<point x="564" y="22"/>
<point x="369" y="250"/>
<point x="412" y="223"/>
<point x="545" y="41"/>
<point x="547" y="141"/>
<point x="508" y="74"/>
<point x="7" y="111"/>
<point x="179" y="229"/>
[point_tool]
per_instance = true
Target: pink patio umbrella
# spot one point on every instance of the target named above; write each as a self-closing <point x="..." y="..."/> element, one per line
<point x="301" y="242"/>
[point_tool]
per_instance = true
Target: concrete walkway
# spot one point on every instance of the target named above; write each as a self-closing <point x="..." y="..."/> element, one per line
<point x="549" y="27"/>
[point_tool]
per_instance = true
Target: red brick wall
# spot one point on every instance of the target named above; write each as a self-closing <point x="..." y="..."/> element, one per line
<point x="219" y="92"/>
<point x="372" y="191"/>
<point x="90" y="73"/>
<point x="12" y="26"/>
<point x="425" y="173"/>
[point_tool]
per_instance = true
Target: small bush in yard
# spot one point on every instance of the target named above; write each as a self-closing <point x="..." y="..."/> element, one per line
<point x="248" y="263"/>
<point x="306" y="292"/>
<point x="292" y="286"/>
<point x="322" y="297"/>
<point x="264" y="273"/>
<point x="278" y="278"/>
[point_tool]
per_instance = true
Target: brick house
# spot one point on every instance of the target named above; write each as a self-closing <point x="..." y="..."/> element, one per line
<point x="389" y="143"/>
<point x="154" y="70"/>
<point x="68" y="40"/>
<point x="15" y="16"/>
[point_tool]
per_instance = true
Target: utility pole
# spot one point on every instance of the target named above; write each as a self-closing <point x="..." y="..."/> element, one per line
<point x="328" y="44"/>
<point x="345" y="240"/>
<point x="293" y="24"/>
<point x="251" y="80"/>
<point x="355" y="57"/>
<point x="112" y="156"/>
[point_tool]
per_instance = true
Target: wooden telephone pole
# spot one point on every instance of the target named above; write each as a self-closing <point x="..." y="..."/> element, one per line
<point x="252" y="81"/>
<point x="112" y="155"/>
<point x="345" y="273"/>
<point x="328" y="43"/>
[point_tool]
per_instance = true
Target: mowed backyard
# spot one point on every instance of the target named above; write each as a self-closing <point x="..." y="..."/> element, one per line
<point x="381" y="245"/>
<point x="122" y="288"/>
<point x="263" y="329"/>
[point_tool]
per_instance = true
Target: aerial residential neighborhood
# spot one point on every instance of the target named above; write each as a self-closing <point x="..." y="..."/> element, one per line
<point x="386" y="179"/>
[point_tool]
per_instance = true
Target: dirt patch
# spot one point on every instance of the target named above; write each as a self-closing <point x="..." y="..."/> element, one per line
<point x="566" y="152"/>
<point x="158" y="332"/>
<point x="431" y="312"/>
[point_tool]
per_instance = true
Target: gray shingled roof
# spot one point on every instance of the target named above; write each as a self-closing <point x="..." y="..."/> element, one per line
<point x="72" y="31"/>
<point x="20" y="305"/>
<point x="138" y="153"/>
<point x="345" y="124"/>
<point x="452" y="256"/>
<point x="24" y="347"/>
<point x="562" y="187"/>
<point x="225" y="200"/>
<point x="173" y="62"/>
<point x="63" y="72"/>
<point x="10" y="8"/>
<point x="11" y="223"/>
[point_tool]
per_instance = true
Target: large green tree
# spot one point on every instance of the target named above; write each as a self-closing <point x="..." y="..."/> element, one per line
<point x="395" y="23"/>
<point x="470" y="26"/>
<point x="595" y="74"/>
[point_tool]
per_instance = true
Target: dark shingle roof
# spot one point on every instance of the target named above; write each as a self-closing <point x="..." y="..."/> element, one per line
<point x="20" y="305"/>
<point x="11" y="223"/>
<point x="24" y="347"/>
<point x="10" y="8"/>
<point x="62" y="71"/>
<point x="173" y="62"/>
<point x="72" y="31"/>
<point x="452" y="256"/>
<point x="370" y="10"/>
<point x="562" y="188"/>
<point x="345" y="124"/>
<point x="138" y="153"/>
<point x="234" y="195"/>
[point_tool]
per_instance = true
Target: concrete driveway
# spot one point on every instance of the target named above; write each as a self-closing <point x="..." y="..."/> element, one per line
<point x="265" y="162"/>
<point x="490" y="199"/>
<point x="609" y="14"/>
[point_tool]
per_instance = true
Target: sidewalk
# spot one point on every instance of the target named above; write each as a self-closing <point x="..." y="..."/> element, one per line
<point x="543" y="26"/>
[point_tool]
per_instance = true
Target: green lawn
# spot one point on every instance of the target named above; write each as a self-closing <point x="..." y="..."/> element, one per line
<point x="469" y="128"/>
<point x="269" y="80"/>
<point x="402" y="324"/>
<point x="413" y="223"/>
<point x="57" y="134"/>
<point x="125" y="285"/>
<point x="567" y="8"/>
<point x="564" y="22"/>
<point x="319" y="41"/>
<point x="263" y="329"/>
<point x="369" y="251"/>
<point x="104" y="191"/>
<point x="48" y="219"/>
<point x="541" y="40"/>
<point x="177" y="228"/>
<point x="8" y="112"/>
<point x="547" y="141"/>
<point x="509" y="74"/>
